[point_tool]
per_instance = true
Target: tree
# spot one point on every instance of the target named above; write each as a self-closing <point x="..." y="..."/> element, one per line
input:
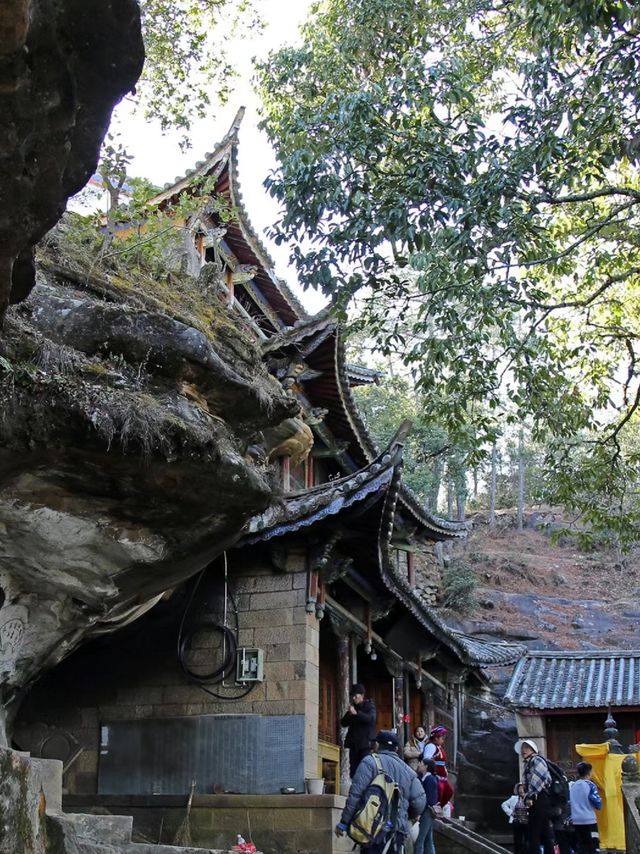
<point x="383" y="407"/>
<point x="490" y="149"/>
<point x="185" y="43"/>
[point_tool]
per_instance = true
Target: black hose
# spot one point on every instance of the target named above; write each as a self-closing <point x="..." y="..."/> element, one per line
<point x="229" y="639"/>
<point x="229" y="642"/>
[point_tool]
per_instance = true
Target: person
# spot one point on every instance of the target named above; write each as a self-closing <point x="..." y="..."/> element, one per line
<point x="360" y="720"/>
<point x="537" y="779"/>
<point x="518" y="813"/>
<point x="585" y="800"/>
<point x="427" y="775"/>
<point x="412" y="796"/>
<point x="434" y="749"/>
<point x="414" y="747"/>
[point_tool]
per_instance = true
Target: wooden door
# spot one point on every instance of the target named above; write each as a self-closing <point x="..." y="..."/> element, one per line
<point x="381" y="692"/>
<point x="328" y="713"/>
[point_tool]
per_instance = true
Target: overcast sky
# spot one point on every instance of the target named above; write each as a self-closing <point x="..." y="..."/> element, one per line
<point x="159" y="158"/>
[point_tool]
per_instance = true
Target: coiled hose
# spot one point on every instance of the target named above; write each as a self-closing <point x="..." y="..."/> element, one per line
<point x="229" y="643"/>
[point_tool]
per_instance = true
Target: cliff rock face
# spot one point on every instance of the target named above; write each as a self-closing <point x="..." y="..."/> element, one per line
<point x="63" y="66"/>
<point x="126" y="407"/>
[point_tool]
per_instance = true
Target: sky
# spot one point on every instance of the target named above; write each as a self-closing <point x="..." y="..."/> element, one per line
<point x="158" y="157"/>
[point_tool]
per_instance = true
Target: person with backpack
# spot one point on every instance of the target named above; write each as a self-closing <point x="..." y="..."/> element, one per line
<point x="360" y="720"/>
<point x="385" y="794"/>
<point x="537" y="782"/>
<point x="585" y="800"/>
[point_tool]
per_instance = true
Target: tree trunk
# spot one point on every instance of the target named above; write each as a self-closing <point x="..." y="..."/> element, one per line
<point x="434" y="492"/>
<point x="492" y="487"/>
<point x="460" y="502"/>
<point x="520" y="515"/>
<point x="450" y="496"/>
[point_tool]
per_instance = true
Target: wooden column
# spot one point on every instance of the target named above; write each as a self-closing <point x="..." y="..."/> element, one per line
<point x="344" y="683"/>
<point x="398" y="702"/>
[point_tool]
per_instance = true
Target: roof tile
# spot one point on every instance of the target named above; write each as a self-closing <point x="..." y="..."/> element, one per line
<point x="575" y="680"/>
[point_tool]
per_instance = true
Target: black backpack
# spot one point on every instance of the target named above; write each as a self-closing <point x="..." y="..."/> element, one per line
<point x="558" y="790"/>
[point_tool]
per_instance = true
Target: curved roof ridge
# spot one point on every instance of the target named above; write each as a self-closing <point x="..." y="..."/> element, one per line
<point x="211" y="160"/>
<point x="301" y="509"/>
<point x="299" y="331"/>
<point x="583" y="653"/>
<point x="252" y="237"/>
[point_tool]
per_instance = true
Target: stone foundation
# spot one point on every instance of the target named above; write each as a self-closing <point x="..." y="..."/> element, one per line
<point x="278" y="824"/>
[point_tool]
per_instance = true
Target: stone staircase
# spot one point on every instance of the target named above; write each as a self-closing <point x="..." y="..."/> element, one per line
<point x="454" y="837"/>
<point x="31" y="808"/>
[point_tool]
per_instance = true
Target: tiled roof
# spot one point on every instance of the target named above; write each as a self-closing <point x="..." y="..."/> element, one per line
<point x="300" y="510"/>
<point x="359" y="375"/>
<point x="225" y="155"/>
<point x="576" y="680"/>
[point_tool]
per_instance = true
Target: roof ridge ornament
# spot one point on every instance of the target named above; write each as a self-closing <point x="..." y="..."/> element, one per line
<point x="237" y="121"/>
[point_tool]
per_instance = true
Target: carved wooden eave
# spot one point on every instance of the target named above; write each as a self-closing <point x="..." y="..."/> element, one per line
<point x="241" y="239"/>
<point x="318" y="341"/>
<point x="299" y="511"/>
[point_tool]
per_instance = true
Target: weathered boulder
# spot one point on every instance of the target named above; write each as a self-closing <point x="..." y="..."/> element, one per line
<point x="124" y="424"/>
<point x="63" y="66"/>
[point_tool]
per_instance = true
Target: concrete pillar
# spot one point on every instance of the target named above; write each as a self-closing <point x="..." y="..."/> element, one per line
<point x="311" y="695"/>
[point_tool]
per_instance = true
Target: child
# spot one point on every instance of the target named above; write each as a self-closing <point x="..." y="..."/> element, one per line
<point x="518" y="814"/>
<point x="585" y="800"/>
<point x="427" y="776"/>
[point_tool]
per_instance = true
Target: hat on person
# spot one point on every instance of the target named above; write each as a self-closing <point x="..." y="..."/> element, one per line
<point x="387" y="738"/>
<point x="518" y="745"/>
<point x="357" y="688"/>
<point x="438" y="730"/>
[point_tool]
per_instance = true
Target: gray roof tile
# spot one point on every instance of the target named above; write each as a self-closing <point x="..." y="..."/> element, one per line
<point x="575" y="680"/>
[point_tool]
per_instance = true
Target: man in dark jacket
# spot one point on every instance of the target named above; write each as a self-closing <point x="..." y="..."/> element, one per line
<point x="412" y="795"/>
<point x="360" y="720"/>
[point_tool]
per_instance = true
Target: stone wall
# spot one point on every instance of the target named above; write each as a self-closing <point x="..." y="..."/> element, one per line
<point x="428" y="576"/>
<point x="278" y="824"/>
<point x="136" y="675"/>
<point x="22" y="805"/>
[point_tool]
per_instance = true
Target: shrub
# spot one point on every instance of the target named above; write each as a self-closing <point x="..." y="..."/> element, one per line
<point x="459" y="584"/>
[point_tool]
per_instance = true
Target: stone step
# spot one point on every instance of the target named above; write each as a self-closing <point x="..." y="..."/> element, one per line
<point x="49" y="774"/>
<point x="114" y="830"/>
<point x="150" y="848"/>
<point x="462" y="838"/>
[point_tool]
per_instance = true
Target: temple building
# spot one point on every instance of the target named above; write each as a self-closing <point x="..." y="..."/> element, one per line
<point x="238" y="679"/>
<point x="561" y="698"/>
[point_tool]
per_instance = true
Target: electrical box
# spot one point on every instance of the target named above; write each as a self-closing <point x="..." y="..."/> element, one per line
<point x="250" y="665"/>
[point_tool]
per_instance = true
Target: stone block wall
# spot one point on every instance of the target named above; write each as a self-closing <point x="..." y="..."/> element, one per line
<point x="137" y="676"/>
<point x="278" y="824"/>
<point x="428" y="573"/>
